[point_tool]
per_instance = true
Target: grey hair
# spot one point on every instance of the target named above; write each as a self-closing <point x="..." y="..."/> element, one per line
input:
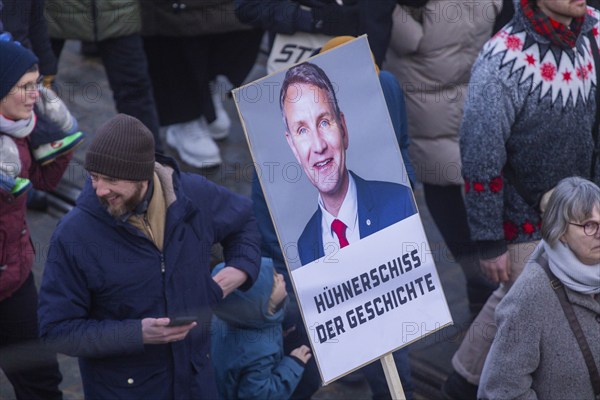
<point x="308" y="74"/>
<point x="573" y="200"/>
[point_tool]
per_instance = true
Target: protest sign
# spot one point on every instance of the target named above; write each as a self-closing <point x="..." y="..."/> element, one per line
<point x="325" y="150"/>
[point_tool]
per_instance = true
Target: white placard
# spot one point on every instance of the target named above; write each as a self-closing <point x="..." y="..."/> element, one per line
<point x="372" y="297"/>
<point x="288" y="50"/>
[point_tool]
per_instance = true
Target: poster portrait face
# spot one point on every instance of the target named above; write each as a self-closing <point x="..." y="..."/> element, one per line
<point x="317" y="137"/>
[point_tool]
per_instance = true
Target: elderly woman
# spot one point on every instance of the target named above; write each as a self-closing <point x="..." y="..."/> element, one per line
<point x="535" y="354"/>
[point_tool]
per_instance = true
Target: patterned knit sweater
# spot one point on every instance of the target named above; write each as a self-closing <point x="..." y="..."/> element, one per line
<point x="527" y="124"/>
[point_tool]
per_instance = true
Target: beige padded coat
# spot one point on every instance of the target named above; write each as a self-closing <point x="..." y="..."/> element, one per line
<point x="431" y="52"/>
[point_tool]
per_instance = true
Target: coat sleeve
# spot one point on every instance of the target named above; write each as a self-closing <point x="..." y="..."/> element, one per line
<point x="515" y="352"/>
<point x="376" y="22"/>
<point x="489" y="113"/>
<point x="396" y="105"/>
<point x="270" y="243"/>
<point x="64" y="308"/>
<point x="260" y="381"/>
<point x="233" y="224"/>
<point x="280" y="16"/>
<point x="47" y="177"/>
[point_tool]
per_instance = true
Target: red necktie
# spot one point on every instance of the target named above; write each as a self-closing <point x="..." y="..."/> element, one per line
<point x="340" y="230"/>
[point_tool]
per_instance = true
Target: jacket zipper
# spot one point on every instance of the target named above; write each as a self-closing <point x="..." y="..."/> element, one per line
<point x="149" y="229"/>
<point x="162" y="258"/>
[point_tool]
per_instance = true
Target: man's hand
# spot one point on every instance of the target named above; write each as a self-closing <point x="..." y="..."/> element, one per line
<point x="229" y="279"/>
<point x="156" y="331"/>
<point x="496" y="269"/>
<point x="302" y="353"/>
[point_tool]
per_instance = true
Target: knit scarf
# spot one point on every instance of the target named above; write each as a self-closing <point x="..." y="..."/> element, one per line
<point x="570" y="271"/>
<point x="559" y="34"/>
<point x="17" y="129"/>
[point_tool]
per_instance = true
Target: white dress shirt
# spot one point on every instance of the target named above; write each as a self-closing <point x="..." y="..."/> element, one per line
<point x="348" y="214"/>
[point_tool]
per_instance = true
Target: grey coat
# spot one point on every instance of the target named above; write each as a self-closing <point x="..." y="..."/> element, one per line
<point x="535" y="354"/>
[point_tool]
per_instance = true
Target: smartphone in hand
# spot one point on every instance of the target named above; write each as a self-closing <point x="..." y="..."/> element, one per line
<point x="179" y="321"/>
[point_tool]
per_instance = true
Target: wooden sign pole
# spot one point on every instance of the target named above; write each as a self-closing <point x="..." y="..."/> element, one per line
<point x="392" y="378"/>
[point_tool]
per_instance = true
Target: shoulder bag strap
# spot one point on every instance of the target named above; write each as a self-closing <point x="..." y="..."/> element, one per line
<point x="567" y="307"/>
<point x="596" y="54"/>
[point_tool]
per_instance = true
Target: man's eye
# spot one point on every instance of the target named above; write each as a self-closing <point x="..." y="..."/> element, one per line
<point x="302" y="131"/>
<point x="324" y="123"/>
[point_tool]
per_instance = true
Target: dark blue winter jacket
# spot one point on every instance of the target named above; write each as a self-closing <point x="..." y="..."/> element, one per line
<point x="247" y="344"/>
<point x="374" y="18"/>
<point x="103" y="276"/>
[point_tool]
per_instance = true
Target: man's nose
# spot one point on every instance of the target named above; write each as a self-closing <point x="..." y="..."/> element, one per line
<point x="101" y="189"/>
<point x="318" y="143"/>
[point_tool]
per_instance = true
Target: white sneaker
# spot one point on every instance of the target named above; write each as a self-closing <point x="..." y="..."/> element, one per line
<point x="178" y="136"/>
<point x="219" y="128"/>
<point x="194" y="144"/>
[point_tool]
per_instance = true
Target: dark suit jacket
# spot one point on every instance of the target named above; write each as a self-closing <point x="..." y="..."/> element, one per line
<point x="380" y="204"/>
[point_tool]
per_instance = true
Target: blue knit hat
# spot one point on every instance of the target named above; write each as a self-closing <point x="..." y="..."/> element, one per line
<point x="15" y="60"/>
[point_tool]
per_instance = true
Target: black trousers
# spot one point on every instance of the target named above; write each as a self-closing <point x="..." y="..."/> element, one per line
<point x="447" y="208"/>
<point x="127" y="72"/>
<point x="182" y="67"/>
<point x="31" y="368"/>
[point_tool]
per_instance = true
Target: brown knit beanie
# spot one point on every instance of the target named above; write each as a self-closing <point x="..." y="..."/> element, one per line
<point x="123" y="148"/>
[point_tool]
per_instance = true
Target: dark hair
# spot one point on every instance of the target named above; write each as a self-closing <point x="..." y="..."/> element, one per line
<point x="308" y="74"/>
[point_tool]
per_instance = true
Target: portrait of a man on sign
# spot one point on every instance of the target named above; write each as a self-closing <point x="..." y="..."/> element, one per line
<point x="349" y="207"/>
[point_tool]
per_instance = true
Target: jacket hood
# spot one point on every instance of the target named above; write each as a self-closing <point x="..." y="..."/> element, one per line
<point x="250" y="309"/>
<point x="88" y="201"/>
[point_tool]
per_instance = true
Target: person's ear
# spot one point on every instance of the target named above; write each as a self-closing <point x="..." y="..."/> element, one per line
<point x="292" y="145"/>
<point x="562" y="239"/>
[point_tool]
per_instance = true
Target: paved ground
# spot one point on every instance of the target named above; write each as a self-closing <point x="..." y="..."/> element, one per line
<point x="83" y="85"/>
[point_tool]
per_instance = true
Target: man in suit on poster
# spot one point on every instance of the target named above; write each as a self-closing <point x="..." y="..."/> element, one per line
<point x="349" y="207"/>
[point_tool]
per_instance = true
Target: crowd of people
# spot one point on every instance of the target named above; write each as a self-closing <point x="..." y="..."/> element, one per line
<point x="496" y="109"/>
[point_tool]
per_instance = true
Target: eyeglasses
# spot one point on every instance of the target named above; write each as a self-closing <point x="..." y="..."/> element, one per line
<point x="589" y="228"/>
<point x="31" y="86"/>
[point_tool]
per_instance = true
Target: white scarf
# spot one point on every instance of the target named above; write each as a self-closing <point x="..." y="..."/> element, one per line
<point x="17" y="129"/>
<point x="572" y="273"/>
